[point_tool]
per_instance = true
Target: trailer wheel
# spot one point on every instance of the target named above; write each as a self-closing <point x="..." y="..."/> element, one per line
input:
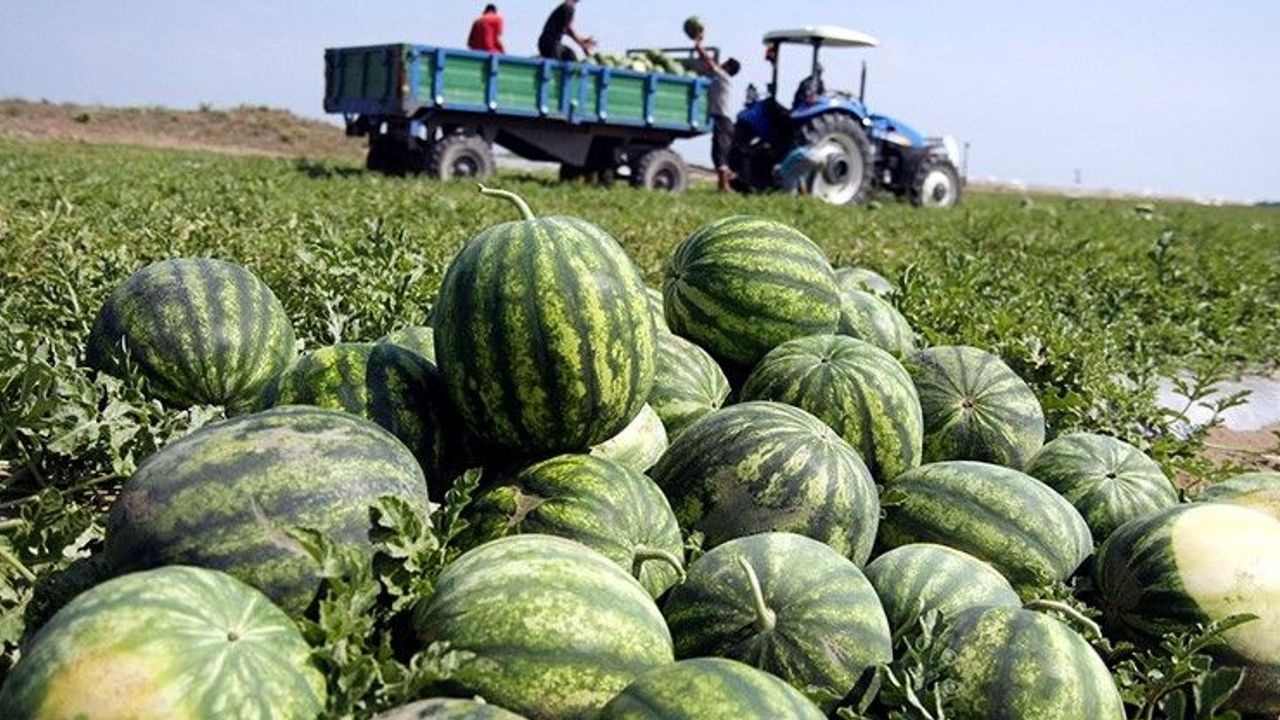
<point x="461" y="156"/>
<point x="661" y="170"/>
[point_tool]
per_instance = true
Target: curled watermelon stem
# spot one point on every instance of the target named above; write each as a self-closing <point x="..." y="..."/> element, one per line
<point x="643" y="554"/>
<point x="519" y="202"/>
<point x="766" y="618"/>
<point x="1073" y="615"/>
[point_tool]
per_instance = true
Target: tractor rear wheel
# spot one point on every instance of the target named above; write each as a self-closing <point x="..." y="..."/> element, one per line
<point x="461" y="156"/>
<point x="661" y="170"/>
<point x="936" y="184"/>
<point x="849" y="174"/>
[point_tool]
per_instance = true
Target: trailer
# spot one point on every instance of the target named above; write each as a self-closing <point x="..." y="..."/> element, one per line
<point x="440" y="111"/>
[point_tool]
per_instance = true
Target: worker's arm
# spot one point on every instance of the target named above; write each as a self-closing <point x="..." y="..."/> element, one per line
<point x="705" y="56"/>
<point x="497" y="39"/>
<point x="586" y="42"/>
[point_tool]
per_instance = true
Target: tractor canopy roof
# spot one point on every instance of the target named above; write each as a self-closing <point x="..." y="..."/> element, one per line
<point x="825" y="35"/>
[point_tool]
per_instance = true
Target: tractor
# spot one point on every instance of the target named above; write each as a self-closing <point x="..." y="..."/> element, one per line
<point x="860" y="151"/>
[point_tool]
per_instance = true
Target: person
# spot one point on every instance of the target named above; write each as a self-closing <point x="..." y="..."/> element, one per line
<point x="486" y="31"/>
<point x="797" y="169"/>
<point x="811" y="90"/>
<point x="720" y="99"/>
<point x="560" y="23"/>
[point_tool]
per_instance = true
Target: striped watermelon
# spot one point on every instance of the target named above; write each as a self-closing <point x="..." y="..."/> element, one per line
<point x="657" y="308"/>
<point x="1197" y="563"/>
<point x="786" y="604"/>
<point x="201" y="331"/>
<point x="639" y="445"/>
<point x="223" y="497"/>
<point x="1109" y="481"/>
<point x="866" y="317"/>
<point x="394" y="387"/>
<point x="859" y="390"/>
<point x="177" y="642"/>
<point x="417" y="339"/>
<point x="1015" y="663"/>
<point x="448" y="709"/>
<point x="913" y="580"/>
<point x="864" y="280"/>
<point x="556" y="628"/>
<point x="975" y="407"/>
<point x="688" y="385"/>
<point x="710" y="689"/>
<point x="544" y="335"/>
<point x="742" y="285"/>
<point x="606" y="506"/>
<point x="1257" y="490"/>
<point x="765" y="466"/>
<point x="1018" y="524"/>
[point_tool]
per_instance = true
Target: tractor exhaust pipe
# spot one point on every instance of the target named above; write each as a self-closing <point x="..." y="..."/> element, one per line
<point x="862" y="88"/>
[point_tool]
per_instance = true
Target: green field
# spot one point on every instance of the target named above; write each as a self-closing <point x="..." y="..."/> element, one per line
<point x="1090" y="301"/>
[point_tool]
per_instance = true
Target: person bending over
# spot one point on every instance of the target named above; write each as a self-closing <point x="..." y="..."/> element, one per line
<point x="560" y="23"/>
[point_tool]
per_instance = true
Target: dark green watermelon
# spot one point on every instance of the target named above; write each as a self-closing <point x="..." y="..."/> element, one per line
<point x="224" y="496"/>
<point x="201" y="331"/>
<point x="763" y="467"/>
<point x="916" y="579"/>
<point x="742" y="285"/>
<point x="783" y="603"/>
<point x="710" y="689"/>
<point x="448" y="709"/>
<point x="688" y="385"/>
<point x="859" y="390"/>
<point x="870" y="319"/>
<point x="417" y="339"/>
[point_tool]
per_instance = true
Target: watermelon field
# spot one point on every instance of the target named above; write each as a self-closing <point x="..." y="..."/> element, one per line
<point x="280" y="438"/>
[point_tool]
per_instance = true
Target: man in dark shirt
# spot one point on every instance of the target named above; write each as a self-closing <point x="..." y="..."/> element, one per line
<point x="560" y="23"/>
<point x="486" y="32"/>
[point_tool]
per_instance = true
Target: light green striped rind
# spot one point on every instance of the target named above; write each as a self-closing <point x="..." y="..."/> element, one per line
<point x="975" y="407"/>
<point x="866" y="317"/>
<point x="829" y="630"/>
<point x="1197" y="563"/>
<point x="606" y="506"/>
<point x="768" y="467"/>
<point x="857" y="389"/>
<point x="710" y="689"/>
<point x="639" y="445"/>
<point x="1015" y="663"/>
<point x="224" y="496"/>
<point x="658" y="309"/>
<point x="913" y="580"/>
<point x="417" y="339"/>
<point x="688" y="385"/>
<point x="1022" y="527"/>
<point x="556" y="628"/>
<point x="544" y="335"/>
<point x="864" y="280"/>
<point x="448" y="709"/>
<point x="1109" y="481"/>
<point x="201" y="331"/>
<point x="742" y="285"/>
<point x="177" y="643"/>
<point x="1257" y="490"/>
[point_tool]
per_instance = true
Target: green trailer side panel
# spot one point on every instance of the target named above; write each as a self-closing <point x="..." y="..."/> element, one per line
<point x="362" y="73"/>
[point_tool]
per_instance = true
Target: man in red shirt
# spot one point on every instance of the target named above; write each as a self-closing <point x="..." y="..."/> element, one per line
<point x="486" y="32"/>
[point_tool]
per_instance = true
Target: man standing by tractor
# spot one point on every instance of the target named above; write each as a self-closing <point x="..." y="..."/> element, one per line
<point x="486" y="32"/>
<point x="560" y="23"/>
<point x="720" y="98"/>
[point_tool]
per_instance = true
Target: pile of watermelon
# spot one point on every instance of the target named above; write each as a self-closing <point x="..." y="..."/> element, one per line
<point x="740" y="497"/>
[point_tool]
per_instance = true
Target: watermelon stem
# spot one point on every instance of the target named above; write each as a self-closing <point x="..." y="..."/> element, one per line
<point x="1074" y="616"/>
<point x="17" y="565"/>
<point x="643" y="553"/>
<point x="519" y="201"/>
<point x="766" y="618"/>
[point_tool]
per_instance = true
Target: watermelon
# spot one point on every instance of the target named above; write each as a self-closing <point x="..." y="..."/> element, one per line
<point x="604" y="505"/>
<point x="764" y="466"/>
<point x="694" y="27"/>
<point x="417" y="339"/>
<point x="394" y="387"/>
<point x="743" y="285"/>
<point x="864" y="280"/>
<point x="555" y="628"/>
<point x="657" y="309"/>
<point x="860" y="391"/>
<point x="786" y="604"/>
<point x="200" y="331"/>
<point x="544" y="335"/>
<point x="866" y="317"/>
<point x="639" y="445"/>
<point x="688" y="385"/>
<point x="224" y="496"/>
<point x="1257" y="490"/>
<point x="975" y="407"/>
<point x="448" y="709"/>
<point x="177" y="642"/>
<point x="710" y="689"/>
<point x="1022" y="527"/>
<point x="1015" y="663"/>
<point x="1198" y="563"/>
<point x="1109" y="481"/>
<point x="916" y="579"/>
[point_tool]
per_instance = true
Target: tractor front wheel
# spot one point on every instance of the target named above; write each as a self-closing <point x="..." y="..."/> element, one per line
<point x="848" y="174"/>
<point x="936" y="184"/>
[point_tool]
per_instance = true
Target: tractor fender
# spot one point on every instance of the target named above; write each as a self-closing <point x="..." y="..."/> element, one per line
<point x="825" y="105"/>
<point x="895" y="132"/>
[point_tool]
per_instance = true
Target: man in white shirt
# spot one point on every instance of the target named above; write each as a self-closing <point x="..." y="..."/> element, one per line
<point x="720" y="98"/>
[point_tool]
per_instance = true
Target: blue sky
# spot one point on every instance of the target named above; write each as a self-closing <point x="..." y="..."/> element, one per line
<point x="1173" y="96"/>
